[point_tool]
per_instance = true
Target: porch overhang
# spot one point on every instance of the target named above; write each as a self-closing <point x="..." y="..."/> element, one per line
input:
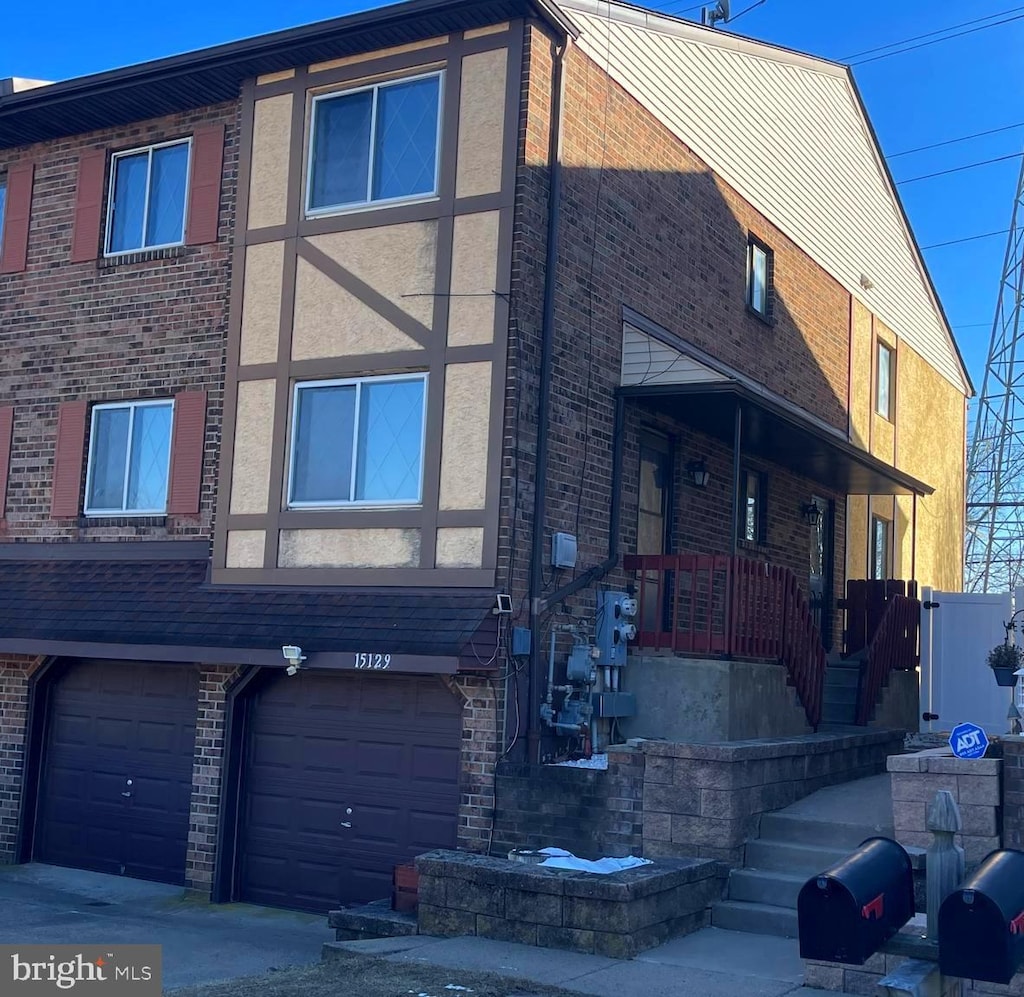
<point x="779" y="432"/>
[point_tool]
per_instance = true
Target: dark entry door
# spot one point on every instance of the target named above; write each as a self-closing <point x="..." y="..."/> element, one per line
<point x="345" y="776"/>
<point x="117" y="772"/>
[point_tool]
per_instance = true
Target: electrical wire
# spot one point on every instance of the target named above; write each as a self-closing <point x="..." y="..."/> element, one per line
<point x="953" y="141"/>
<point x="930" y="34"/>
<point x="935" y="41"/>
<point x="960" y="169"/>
<point x="966" y="238"/>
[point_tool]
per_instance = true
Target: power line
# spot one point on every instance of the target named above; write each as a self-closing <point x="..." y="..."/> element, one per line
<point x="966" y="238"/>
<point x="930" y="34"/>
<point x="935" y="41"/>
<point x="953" y="141"/>
<point x="671" y="9"/>
<point x="960" y="169"/>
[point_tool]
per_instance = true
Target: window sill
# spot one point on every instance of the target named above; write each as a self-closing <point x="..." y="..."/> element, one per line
<point x="84" y="522"/>
<point x="141" y="256"/>
<point x="752" y="545"/>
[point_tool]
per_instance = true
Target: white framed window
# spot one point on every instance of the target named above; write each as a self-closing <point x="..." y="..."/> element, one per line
<point x="357" y="442"/>
<point x="3" y="205"/>
<point x="147" y="198"/>
<point x="884" y="381"/>
<point x="374" y="145"/>
<point x="881" y="547"/>
<point x="129" y="458"/>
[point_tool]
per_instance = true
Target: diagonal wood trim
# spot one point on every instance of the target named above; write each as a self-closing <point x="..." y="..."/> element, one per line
<point x="383" y="306"/>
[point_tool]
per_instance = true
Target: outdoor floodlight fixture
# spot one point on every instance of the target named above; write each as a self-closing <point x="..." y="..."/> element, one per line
<point x="294" y="656"/>
<point x="698" y="472"/>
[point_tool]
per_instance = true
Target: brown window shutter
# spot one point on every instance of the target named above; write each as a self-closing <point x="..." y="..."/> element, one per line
<point x="14" y="238"/>
<point x="67" y="460"/>
<point x="6" y="425"/>
<point x="204" y="185"/>
<point x="85" y="239"/>
<point x="187" y="443"/>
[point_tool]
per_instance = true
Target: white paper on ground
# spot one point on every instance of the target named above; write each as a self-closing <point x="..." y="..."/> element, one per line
<point x="603" y="867"/>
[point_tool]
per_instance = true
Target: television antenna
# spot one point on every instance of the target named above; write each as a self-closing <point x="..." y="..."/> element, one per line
<point x="710" y="16"/>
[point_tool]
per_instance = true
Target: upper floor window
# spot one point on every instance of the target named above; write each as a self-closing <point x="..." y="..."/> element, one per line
<point x="358" y="441"/>
<point x="760" y="265"/>
<point x="146" y="206"/>
<point x="375" y="144"/>
<point x="884" y="381"/>
<point x="3" y="203"/>
<point x="753" y="524"/>
<point x="129" y="458"/>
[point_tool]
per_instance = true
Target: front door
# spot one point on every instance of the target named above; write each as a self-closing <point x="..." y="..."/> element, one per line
<point x="652" y="531"/>
<point x="820" y="578"/>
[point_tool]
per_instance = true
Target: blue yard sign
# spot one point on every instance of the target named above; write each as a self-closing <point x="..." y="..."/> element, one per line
<point x="968" y="741"/>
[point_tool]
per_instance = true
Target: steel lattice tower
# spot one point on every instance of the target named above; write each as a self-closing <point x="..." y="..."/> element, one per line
<point x="994" y="550"/>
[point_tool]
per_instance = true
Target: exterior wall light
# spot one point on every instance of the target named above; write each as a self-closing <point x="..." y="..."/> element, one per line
<point x="698" y="473"/>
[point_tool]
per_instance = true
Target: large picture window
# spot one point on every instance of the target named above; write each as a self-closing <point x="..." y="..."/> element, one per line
<point x="129" y="458"/>
<point x="146" y="206"/>
<point x="375" y="144"/>
<point x="358" y="442"/>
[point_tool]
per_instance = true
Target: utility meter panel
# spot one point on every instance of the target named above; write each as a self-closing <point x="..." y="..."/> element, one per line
<point x="616" y="613"/>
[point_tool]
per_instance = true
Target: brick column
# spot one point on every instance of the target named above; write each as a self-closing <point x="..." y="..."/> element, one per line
<point x="206" y="778"/>
<point x="481" y="742"/>
<point x="1013" y="792"/>
<point x="14" y="675"/>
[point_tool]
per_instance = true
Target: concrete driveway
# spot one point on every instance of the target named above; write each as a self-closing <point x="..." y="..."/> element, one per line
<point x="202" y="942"/>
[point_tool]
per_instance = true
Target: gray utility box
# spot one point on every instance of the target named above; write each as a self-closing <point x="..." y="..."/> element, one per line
<point x="614" y="704"/>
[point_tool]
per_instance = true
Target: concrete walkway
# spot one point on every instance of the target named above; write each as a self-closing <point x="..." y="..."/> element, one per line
<point x="709" y="963"/>
<point x="864" y="802"/>
<point x="202" y="943"/>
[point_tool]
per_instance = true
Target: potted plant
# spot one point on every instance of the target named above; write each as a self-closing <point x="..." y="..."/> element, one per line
<point x="1004" y="660"/>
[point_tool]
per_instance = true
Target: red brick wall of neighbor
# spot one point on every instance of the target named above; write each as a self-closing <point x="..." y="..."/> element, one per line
<point x="15" y="670"/>
<point x="645" y="224"/>
<point x="109" y="330"/>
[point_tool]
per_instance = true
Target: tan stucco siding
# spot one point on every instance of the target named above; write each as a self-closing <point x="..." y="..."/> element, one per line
<point x="246" y="548"/>
<point x="860" y="376"/>
<point x="931" y="424"/>
<point x="356" y="548"/>
<point x="261" y="303"/>
<point x="481" y="123"/>
<point x="254" y="430"/>
<point x="459" y="547"/>
<point x="383" y="53"/>
<point x="467" y="402"/>
<point x="857" y="537"/>
<point x="271" y="141"/>
<point x="474" y="276"/>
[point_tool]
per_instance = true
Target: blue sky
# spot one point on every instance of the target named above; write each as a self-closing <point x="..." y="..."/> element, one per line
<point x="942" y="91"/>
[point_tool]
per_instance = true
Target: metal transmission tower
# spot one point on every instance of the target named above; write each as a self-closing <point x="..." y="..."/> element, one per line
<point x="994" y="552"/>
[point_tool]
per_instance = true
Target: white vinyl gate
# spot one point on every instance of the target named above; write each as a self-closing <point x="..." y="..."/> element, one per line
<point x="956" y="635"/>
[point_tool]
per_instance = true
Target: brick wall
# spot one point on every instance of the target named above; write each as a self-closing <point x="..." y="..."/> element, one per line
<point x="1013" y="793"/>
<point x="592" y="813"/>
<point x="15" y="671"/>
<point x="482" y="723"/>
<point x="145" y="326"/>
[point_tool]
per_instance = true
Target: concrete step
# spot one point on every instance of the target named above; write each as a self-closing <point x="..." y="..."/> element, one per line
<point x="797" y="829"/>
<point x="839" y="713"/>
<point x="796" y="859"/>
<point x="777" y="889"/>
<point x="374" y="920"/>
<point x="842" y="695"/>
<point x="758" y="919"/>
<point x="842" y="677"/>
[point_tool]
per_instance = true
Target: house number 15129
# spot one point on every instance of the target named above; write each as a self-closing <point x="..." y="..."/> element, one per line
<point x="375" y="661"/>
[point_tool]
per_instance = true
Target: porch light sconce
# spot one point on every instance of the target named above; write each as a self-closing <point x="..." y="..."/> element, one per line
<point x="811" y="513"/>
<point x="698" y="473"/>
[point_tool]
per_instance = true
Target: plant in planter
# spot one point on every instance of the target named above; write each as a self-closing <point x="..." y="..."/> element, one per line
<point x="1004" y="659"/>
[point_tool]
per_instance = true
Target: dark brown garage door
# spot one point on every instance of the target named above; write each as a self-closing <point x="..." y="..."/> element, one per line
<point x="345" y="777"/>
<point x="117" y="772"/>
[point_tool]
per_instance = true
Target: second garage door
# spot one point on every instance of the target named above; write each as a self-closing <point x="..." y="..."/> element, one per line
<point x="117" y="771"/>
<point x="345" y="776"/>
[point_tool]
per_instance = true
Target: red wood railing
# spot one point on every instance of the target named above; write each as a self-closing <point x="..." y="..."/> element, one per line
<point x="714" y="604"/>
<point x="893" y="648"/>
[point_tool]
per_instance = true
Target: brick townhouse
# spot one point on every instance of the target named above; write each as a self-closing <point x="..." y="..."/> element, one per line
<point x="290" y="326"/>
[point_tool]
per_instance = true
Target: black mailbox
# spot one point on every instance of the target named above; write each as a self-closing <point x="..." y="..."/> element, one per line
<point x="846" y="913"/>
<point x="981" y="924"/>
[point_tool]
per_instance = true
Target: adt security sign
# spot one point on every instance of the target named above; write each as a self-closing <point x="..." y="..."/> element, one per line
<point x="968" y="741"/>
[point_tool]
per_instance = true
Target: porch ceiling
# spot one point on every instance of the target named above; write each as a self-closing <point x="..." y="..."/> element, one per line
<point x="779" y="434"/>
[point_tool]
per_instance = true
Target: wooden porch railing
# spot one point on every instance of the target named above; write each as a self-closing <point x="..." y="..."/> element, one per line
<point x="894" y="647"/>
<point x="714" y="604"/>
